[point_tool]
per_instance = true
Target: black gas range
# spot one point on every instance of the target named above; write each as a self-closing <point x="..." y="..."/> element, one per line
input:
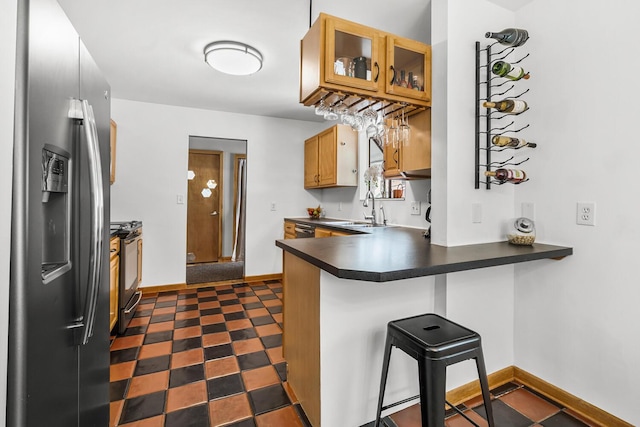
<point x="124" y="228"/>
<point x="130" y="234"/>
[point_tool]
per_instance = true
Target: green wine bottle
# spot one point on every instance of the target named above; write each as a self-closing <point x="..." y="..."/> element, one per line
<point x="508" y="71"/>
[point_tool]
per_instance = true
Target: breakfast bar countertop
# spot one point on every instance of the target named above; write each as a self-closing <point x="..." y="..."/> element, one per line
<point x="381" y="254"/>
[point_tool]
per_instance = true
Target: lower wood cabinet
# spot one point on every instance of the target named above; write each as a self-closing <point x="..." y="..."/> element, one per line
<point x="289" y="230"/>
<point x="325" y="232"/>
<point x="114" y="274"/>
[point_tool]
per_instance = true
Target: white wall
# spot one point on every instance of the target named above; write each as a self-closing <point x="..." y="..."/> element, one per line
<point x="481" y="299"/>
<point x="151" y="170"/>
<point x="7" y="88"/>
<point x="577" y="323"/>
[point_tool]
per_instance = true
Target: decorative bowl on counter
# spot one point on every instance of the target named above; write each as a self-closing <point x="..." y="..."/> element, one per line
<point x="314" y="212"/>
<point x="522" y="232"/>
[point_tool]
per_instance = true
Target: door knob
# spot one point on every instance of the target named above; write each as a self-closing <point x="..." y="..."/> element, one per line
<point x="214" y="213"/>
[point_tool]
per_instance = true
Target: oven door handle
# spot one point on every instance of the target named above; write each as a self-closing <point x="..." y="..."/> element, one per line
<point x="97" y="221"/>
<point x="135" y="304"/>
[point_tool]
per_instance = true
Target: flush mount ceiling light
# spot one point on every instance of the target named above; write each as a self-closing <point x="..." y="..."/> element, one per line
<point x="233" y="58"/>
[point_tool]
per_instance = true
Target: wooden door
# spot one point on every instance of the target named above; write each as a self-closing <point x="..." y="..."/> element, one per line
<point x="345" y="41"/>
<point x="409" y="56"/>
<point x="311" y="162"/>
<point x="203" y="209"/>
<point x="327" y="156"/>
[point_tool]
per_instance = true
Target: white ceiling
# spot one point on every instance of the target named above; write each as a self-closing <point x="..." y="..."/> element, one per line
<point x="151" y="50"/>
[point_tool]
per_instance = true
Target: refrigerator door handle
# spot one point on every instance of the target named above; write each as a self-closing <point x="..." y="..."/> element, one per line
<point x="97" y="220"/>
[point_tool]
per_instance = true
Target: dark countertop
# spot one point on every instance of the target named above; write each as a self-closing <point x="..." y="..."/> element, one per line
<point x="381" y="254"/>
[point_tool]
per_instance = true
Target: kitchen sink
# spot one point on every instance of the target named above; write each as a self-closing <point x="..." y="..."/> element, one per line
<point x="356" y="224"/>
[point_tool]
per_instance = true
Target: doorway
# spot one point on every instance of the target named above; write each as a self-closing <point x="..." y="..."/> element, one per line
<point x="215" y="210"/>
<point x="203" y="206"/>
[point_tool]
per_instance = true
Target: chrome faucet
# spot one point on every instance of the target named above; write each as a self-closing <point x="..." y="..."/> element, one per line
<point x="384" y="215"/>
<point x="371" y="217"/>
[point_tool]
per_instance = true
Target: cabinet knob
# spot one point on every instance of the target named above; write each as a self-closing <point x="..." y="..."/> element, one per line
<point x="354" y="170"/>
<point x="343" y="143"/>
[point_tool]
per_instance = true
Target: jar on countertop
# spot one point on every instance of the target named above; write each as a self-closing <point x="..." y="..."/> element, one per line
<point x="522" y="232"/>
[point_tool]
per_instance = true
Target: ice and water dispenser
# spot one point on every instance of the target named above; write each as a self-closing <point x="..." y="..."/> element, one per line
<point x="56" y="209"/>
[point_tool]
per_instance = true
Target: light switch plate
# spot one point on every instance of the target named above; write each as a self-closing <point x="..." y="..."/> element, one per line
<point x="476" y="213"/>
<point x="415" y="208"/>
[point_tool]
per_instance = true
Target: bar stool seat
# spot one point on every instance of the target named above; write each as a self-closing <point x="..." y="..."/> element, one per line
<point x="435" y="343"/>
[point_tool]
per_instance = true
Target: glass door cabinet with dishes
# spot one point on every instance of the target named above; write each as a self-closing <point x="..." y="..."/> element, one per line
<point x="343" y="58"/>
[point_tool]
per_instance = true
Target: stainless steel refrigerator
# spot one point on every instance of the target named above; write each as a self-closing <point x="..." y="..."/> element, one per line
<point x="59" y="295"/>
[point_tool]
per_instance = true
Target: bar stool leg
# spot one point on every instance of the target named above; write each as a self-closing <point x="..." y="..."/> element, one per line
<point x="484" y="386"/>
<point x="383" y="379"/>
<point x="433" y="376"/>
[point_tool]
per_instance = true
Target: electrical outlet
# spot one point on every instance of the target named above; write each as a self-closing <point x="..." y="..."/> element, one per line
<point x="180" y="199"/>
<point x="415" y="208"/>
<point x="586" y="213"/>
<point x="273" y="206"/>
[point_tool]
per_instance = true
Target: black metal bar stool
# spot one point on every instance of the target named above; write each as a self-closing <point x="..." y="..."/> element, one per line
<point x="435" y="343"/>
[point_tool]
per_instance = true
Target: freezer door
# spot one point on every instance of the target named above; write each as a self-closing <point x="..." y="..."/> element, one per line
<point x="43" y="358"/>
<point x="94" y="356"/>
<point x="53" y="381"/>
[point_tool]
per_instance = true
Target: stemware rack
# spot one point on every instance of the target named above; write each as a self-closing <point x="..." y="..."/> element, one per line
<point x="484" y="129"/>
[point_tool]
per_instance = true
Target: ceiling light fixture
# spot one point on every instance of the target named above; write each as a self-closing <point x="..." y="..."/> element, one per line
<point x="233" y="57"/>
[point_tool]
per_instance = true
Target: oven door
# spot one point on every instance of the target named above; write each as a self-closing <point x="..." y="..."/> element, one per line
<point x="129" y="294"/>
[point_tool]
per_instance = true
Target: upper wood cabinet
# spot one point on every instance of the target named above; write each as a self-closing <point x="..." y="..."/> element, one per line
<point x="411" y="160"/>
<point x="331" y="158"/>
<point x="342" y="59"/>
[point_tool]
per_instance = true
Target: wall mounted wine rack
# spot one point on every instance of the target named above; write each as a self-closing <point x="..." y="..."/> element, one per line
<point x="493" y="122"/>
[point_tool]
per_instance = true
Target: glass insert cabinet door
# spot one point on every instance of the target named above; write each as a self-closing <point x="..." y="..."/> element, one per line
<point x="352" y="55"/>
<point x="408" y="70"/>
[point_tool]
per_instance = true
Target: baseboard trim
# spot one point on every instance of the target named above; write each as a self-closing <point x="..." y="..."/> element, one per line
<point x="181" y="286"/>
<point x="512" y="373"/>
<point x="472" y="389"/>
<point x="579" y="406"/>
<point x="263" y="278"/>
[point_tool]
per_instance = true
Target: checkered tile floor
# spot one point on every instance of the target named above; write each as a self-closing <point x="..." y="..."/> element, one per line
<point x="204" y="358"/>
<point x="212" y="357"/>
<point x="513" y="404"/>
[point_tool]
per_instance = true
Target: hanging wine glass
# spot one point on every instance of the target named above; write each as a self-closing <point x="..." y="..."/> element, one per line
<point x="330" y="114"/>
<point x="404" y="131"/>
<point x="321" y="108"/>
<point x="392" y="133"/>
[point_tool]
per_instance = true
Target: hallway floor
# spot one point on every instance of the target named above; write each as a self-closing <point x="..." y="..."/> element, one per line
<point x="212" y="357"/>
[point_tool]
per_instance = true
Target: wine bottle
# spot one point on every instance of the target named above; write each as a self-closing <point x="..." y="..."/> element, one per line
<point x="403" y="82"/>
<point x="415" y="84"/>
<point x="513" y="37"/>
<point x="506" y="70"/>
<point x="410" y="81"/>
<point x="509" y="106"/>
<point x="514" y="176"/>
<point x="507" y="141"/>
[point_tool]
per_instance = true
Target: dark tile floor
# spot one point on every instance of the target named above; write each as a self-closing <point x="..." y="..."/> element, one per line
<point x="514" y="405"/>
<point x="203" y="358"/>
<point x="212" y="357"/>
